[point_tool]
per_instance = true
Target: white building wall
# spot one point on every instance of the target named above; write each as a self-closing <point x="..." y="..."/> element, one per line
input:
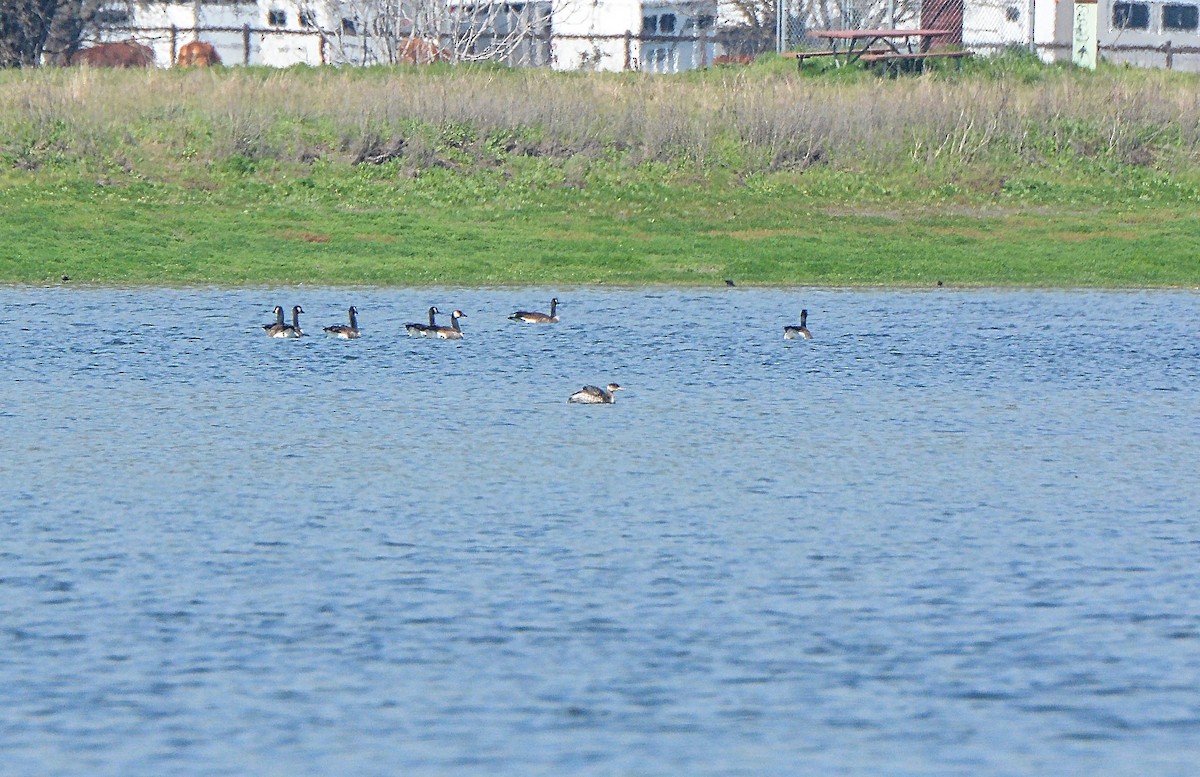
<point x="989" y="25"/>
<point x="664" y="55"/>
<point x="590" y="35"/>
<point x="585" y="34"/>
<point x="273" y="45"/>
<point x="1052" y="25"/>
<point x="1151" y="39"/>
<point x="608" y="35"/>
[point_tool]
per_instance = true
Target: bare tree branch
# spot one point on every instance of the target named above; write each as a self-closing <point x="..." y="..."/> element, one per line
<point x="37" y="31"/>
<point x="394" y="31"/>
<point x="750" y="25"/>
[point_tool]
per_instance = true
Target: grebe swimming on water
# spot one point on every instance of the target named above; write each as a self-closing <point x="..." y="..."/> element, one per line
<point x="591" y="395"/>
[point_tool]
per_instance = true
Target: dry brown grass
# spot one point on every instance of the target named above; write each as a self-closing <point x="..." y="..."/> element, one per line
<point x="746" y="120"/>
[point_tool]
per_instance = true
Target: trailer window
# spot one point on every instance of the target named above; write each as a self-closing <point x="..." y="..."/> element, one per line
<point x="1180" y="17"/>
<point x="1131" y="16"/>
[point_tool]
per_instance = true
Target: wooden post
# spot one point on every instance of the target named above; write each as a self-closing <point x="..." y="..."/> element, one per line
<point x="628" y="50"/>
<point x="1170" y="55"/>
<point x="174" y="44"/>
<point x="245" y="44"/>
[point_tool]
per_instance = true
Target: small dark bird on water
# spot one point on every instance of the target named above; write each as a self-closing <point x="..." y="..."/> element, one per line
<point x="729" y="282"/>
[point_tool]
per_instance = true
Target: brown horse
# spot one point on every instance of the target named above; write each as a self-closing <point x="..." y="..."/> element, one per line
<point x="417" y="51"/>
<point x="126" y="53"/>
<point x="197" y="54"/>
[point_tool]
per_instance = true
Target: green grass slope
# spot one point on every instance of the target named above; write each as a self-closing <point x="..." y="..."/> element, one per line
<point x="1006" y="173"/>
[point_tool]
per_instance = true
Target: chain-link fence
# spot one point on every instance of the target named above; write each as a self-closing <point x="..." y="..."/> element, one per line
<point x="983" y="24"/>
<point x="1151" y="34"/>
<point x="1158" y="33"/>
<point x="651" y="53"/>
<point x="243" y="45"/>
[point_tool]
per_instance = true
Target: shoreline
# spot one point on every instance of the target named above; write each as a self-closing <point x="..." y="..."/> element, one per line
<point x="560" y="287"/>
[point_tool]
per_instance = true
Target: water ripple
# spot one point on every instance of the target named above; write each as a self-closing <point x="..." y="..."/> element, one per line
<point x="953" y="534"/>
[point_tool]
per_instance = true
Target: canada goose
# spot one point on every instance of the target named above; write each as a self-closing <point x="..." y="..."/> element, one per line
<point x="423" y="330"/>
<point x="798" y="332"/>
<point x="538" y="318"/>
<point x="282" y="330"/>
<point x="452" y="332"/>
<point x="292" y="329"/>
<point x="590" y="395"/>
<point x="343" y="331"/>
<point x="274" y="329"/>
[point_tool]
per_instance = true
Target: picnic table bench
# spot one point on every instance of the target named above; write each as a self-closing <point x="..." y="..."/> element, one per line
<point x="895" y="60"/>
<point x="848" y="46"/>
<point x="800" y="56"/>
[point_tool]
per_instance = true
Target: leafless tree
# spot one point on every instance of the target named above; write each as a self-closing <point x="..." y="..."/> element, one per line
<point x="859" y="14"/>
<point x="33" y="31"/>
<point x="394" y="31"/>
<point x="750" y="25"/>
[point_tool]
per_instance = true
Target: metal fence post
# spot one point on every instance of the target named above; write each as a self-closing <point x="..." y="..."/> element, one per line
<point x="779" y="26"/>
<point x="1032" y="11"/>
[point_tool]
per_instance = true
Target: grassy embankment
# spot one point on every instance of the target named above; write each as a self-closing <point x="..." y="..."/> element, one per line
<point x="1007" y="173"/>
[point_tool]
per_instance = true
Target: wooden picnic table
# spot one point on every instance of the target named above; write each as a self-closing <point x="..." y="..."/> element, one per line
<point x="891" y="62"/>
<point x="860" y="42"/>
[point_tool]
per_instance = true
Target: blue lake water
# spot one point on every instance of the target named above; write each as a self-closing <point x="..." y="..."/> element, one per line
<point x="956" y="533"/>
